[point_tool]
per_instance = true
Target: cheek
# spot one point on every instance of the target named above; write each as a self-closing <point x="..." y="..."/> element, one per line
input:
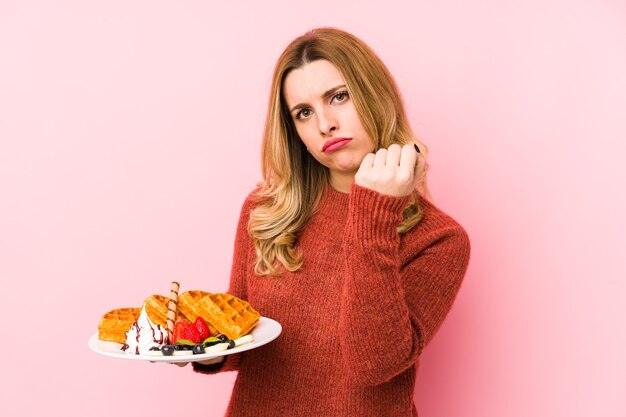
<point x="304" y="135"/>
<point x="353" y="118"/>
<point x="359" y="128"/>
<point x="357" y="122"/>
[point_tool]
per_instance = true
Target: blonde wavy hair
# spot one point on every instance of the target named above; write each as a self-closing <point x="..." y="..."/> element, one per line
<point x="293" y="181"/>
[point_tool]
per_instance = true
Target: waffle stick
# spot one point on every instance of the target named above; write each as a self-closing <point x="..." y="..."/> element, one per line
<point x="171" y="309"/>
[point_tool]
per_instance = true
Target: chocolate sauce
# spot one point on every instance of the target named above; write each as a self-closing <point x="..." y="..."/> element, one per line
<point x="126" y="346"/>
<point x="135" y="326"/>
<point x="161" y="338"/>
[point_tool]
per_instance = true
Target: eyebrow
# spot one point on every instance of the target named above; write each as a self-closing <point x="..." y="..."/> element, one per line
<point x="326" y="94"/>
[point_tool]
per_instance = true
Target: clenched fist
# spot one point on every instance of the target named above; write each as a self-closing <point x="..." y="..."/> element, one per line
<point x="394" y="171"/>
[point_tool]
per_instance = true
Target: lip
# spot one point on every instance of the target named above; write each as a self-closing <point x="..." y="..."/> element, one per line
<point x="334" y="141"/>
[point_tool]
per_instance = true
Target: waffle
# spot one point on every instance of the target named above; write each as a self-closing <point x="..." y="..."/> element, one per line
<point x="156" y="309"/>
<point x="229" y="315"/>
<point x="114" y="324"/>
<point x="188" y="306"/>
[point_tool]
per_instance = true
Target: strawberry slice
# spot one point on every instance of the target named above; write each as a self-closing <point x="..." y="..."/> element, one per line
<point x="178" y="329"/>
<point x="203" y="329"/>
<point x="190" y="333"/>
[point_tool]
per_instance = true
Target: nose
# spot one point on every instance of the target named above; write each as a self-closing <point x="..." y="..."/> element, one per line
<point x="327" y="122"/>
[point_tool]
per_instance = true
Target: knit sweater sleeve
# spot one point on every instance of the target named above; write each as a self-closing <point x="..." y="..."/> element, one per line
<point x="391" y="304"/>
<point x="237" y="285"/>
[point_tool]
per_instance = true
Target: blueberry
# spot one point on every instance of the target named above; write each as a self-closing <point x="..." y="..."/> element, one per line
<point x="178" y="347"/>
<point x="198" y="349"/>
<point x="187" y="347"/>
<point x="222" y="337"/>
<point x="231" y="344"/>
<point x="168" y="350"/>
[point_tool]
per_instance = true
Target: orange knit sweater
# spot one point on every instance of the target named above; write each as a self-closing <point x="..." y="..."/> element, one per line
<point x="355" y="316"/>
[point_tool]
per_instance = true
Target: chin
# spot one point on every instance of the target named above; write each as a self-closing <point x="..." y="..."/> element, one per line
<point x="349" y="162"/>
<point x="351" y="168"/>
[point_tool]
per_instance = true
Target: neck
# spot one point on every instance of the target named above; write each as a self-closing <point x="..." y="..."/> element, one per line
<point x="341" y="182"/>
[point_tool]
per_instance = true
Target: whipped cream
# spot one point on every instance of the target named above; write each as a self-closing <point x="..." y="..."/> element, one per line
<point x="143" y="335"/>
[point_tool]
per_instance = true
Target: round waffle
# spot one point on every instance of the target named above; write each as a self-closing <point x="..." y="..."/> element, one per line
<point x="156" y="309"/>
<point x="225" y="313"/>
<point x="188" y="306"/>
<point x="115" y="323"/>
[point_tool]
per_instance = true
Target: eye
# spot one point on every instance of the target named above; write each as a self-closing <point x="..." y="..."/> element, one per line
<point x="341" y="96"/>
<point x="303" y="113"/>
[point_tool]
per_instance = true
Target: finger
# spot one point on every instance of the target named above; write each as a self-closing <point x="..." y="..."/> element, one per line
<point x="394" y="153"/>
<point x="181" y="364"/>
<point x="381" y="158"/>
<point x="408" y="158"/>
<point x="368" y="161"/>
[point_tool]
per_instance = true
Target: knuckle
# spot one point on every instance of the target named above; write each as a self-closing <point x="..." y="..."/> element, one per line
<point x="363" y="176"/>
<point x="386" y="176"/>
<point x="403" y="177"/>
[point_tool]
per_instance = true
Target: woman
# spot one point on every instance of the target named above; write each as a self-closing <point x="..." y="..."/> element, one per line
<point x="339" y="243"/>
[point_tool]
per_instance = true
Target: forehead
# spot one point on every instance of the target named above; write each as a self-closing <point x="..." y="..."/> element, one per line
<point x="310" y="81"/>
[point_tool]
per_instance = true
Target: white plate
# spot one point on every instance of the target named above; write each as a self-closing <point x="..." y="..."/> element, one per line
<point x="264" y="332"/>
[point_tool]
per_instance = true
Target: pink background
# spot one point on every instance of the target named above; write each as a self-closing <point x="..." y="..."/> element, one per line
<point x="130" y="135"/>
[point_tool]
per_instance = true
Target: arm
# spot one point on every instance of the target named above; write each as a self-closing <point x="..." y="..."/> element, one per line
<point x="391" y="307"/>
<point x="237" y="287"/>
